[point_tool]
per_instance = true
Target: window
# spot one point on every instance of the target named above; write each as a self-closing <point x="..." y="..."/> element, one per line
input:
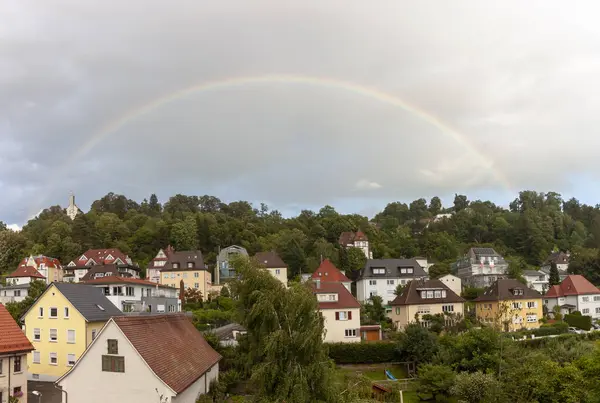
<point x="448" y="308"/>
<point x="585" y="311"/>
<point x="403" y="271"/>
<point x="37" y="334"/>
<point x="443" y="293"/>
<point x="196" y="274"/>
<point x="172" y="275"/>
<point x="531" y="304"/>
<point x="546" y="302"/>
<point x="350" y="332"/>
<point x="1" y="365"/>
<point x="429" y="294"/>
<point x="111" y="363"/>
<point x="94" y="334"/>
<point x="332" y="297"/>
<point x="70" y="336"/>
<point x="53" y="359"/>
<point x="403" y="282"/>
<point x="70" y="360"/>
<point x="176" y="265"/>
<point x="532" y="318"/>
<point x="130" y="291"/>
<point x="277" y="272"/>
<point x="41" y="312"/>
<point x="372" y="282"/>
<point x="390" y="282"/>
<point x="518" y="291"/>
<point x="597" y="310"/>
<point x="423" y="309"/>
<point x="66" y="312"/>
<point x="17" y="391"/>
<point x="585" y="299"/>
<point x="378" y="271"/>
<point x="517" y="305"/>
<point x="113" y="346"/>
<point x="196" y="285"/>
<point x="397" y="310"/>
<point x="53" y="335"/>
<point x="596" y="298"/>
<point x="17" y="293"/>
<point x="36" y="357"/>
<point x="437" y="294"/>
<point x="17" y="364"/>
<point x="343" y="315"/>
<point x="54" y="313"/>
<point x="165" y="276"/>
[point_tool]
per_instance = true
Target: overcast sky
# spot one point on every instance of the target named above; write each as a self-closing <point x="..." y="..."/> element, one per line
<point x="516" y="81"/>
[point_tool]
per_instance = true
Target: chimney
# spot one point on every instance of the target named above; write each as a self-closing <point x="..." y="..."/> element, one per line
<point x="318" y="283"/>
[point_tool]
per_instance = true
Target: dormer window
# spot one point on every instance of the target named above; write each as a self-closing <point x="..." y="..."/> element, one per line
<point x="83" y="257"/>
<point x="518" y="291"/>
<point x="406" y="270"/>
<point x="378" y="271"/>
<point x="190" y="265"/>
<point x="176" y="265"/>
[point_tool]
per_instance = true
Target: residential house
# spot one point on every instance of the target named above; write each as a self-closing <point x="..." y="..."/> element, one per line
<point x="49" y="267"/>
<point x="121" y="365"/>
<point x="189" y="267"/>
<point x="228" y="334"/>
<point x="481" y="267"/>
<point x="425" y="297"/>
<point x="223" y="270"/>
<point x="78" y="268"/>
<point x="13" y="293"/>
<point x="356" y="240"/>
<point x="24" y="275"/>
<point x="537" y="279"/>
<point x="108" y="270"/>
<point x="560" y="258"/>
<point x="382" y="276"/>
<point x="137" y="295"/>
<point x="452" y="282"/>
<point x="509" y="305"/>
<point x="575" y="293"/>
<point x="328" y="273"/>
<point x="340" y="310"/>
<point x="14" y="347"/>
<point x="61" y="323"/>
<point x="274" y="265"/>
<point x="72" y="210"/>
<point x="157" y="264"/>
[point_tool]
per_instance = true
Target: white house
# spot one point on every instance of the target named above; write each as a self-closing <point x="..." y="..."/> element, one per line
<point x="575" y="293"/>
<point x="452" y="282"/>
<point x="340" y="310"/>
<point x="77" y="269"/>
<point x="13" y="293"/>
<point x="481" y="267"/>
<point x="120" y="365"/>
<point x="356" y="240"/>
<point x="157" y="264"/>
<point x="382" y="276"/>
<point x="137" y="295"/>
<point x="560" y="258"/>
<point x="537" y="279"/>
<point x="24" y="275"/>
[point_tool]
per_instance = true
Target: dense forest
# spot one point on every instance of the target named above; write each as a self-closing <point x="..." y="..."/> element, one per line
<point x="534" y="225"/>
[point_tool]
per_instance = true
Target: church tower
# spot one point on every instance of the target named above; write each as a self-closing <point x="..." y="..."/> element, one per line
<point x="72" y="210"/>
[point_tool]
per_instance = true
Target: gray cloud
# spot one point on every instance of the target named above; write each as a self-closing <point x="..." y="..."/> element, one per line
<point x="517" y="80"/>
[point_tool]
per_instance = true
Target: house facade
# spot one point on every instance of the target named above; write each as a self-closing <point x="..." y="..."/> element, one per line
<point x="24" y="275"/>
<point x="340" y="311"/>
<point x="452" y="282"/>
<point x="575" y="293"/>
<point x="273" y="264"/>
<point x="328" y="273"/>
<point x="481" y="267"/>
<point x="49" y="267"/>
<point x="223" y="270"/>
<point x="356" y="240"/>
<point x="14" y="347"/>
<point x="537" y="279"/>
<point x="382" y="276"/>
<point x="137" y="295"/>
<point x="77" y="269"/>
<point x="124" y="367"/>
<point x="108" y="270"/>
<point x="13" y="293"/>
<point x="509" y="305"/>
<point x="425" y="297"/>
<point x="189" y="267"/>
<point x="560" y="258"/>
<point x="157" y="264"/>
<point x="61" y="323"/>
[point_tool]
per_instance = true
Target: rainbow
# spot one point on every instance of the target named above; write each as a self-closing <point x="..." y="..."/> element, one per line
<point x="284" y="79"/>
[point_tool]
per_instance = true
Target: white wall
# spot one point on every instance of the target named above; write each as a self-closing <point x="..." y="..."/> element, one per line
<point x="88" y="383"/>
<point x="452" y="282"/>
<point x="16" y="378"/>
<point x="335" y="329"/>
<point x="282" y="276"/>
<point x="7" y="296"/>
<point x="200" y="387"/>
<point x="381" y="288"/>
<point x="576" y="300"/>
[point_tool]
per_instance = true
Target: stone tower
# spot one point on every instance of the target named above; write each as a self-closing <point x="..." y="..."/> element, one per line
<point x="72" y="210"/>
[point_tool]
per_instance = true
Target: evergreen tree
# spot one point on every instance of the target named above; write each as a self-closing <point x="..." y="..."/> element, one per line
<point x="554" y="276"/>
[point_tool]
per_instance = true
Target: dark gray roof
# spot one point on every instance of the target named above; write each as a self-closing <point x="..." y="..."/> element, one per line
<point x="392" y="268"/>
<point x="89" y="301"/>
<point x="183" y="258"/>
<point x="226" y="332"/>
<point x="533" y="273"/>
<point x="485" y="251"/>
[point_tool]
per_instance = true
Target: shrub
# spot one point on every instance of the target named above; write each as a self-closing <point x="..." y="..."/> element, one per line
<point x="362" y="353"/>
<point x="579" y="321"/>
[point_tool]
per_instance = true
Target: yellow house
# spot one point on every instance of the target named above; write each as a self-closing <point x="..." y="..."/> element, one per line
<point x="509" y="305"/>
<point x="189" y="267"/>
<point x="273" y="264"/>
<point x="60" y="324"/>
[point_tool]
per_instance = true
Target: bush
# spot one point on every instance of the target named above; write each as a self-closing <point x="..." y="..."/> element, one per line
<point x="548" y="330"/>
<point x="579" y="321"/>
<point x="362" y="353"/>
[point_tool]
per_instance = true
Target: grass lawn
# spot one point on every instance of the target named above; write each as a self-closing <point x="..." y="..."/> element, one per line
<point x="378" y="373"/>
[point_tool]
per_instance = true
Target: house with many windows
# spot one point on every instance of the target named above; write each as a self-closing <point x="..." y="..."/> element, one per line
<point x="340" y="311"/>
<point x="61" y="324"/>
<point x="189" y="267"/>
<point x="18" y="282"/>
<point x="575" y="293"/>
<point x="273" y="264"/>
<point x="537" y="279"/>
<point x="480" y="267"/>
<point x="49" y="267"/>
<point x="121" y="365"/>
<point x="509" y="305"/>
<point x="382" y="276"/>
<point x="157" y="264"/>
<point x="78" y="268"/>
<point x="328" y="273"/>
<point x="137" y="295"/>
<point x="14" y="347"/>
<point x="425" y="297"/>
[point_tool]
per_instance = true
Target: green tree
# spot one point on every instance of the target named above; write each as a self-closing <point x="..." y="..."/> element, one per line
<point x="373" y="310"/>
<point x="399" y="289"/>
<point x="417" y="344"/>
<point x="476" y="387"/>
<point x="439" y="270"/>
<point x="184" y="234"/>
<point x="18" y="309"/>
<point x="460" y="202"/>
<point x="355" y="261"/>
<point x="12" y="250"/>
<point x="435" y="206"/>
<point x="434" y="381"/>
<point x="554" y="275"/>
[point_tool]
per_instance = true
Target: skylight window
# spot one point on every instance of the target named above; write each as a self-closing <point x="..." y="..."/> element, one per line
<point x="100" y="307"/>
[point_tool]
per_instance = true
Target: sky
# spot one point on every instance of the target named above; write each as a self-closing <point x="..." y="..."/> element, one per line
<point x="296" y="104"/>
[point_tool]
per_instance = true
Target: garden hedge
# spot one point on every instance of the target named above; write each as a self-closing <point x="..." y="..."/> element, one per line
<point x="363" y="353"/>
<point x="579" y="321"/>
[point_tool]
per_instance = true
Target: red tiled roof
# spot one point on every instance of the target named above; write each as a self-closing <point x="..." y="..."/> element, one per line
<point x="99" y="256"/>
<point x="26" y="271"/>
<point x="347" y="238"/>
<point x="327" y="272"/>
<point x="121" y="280"/>
<point x="573" y="284"/>
<point x="345" y="298"/>
<point x="48" y="261"/>
<point x="12" y="338"/>
<point x="177" y="352"/>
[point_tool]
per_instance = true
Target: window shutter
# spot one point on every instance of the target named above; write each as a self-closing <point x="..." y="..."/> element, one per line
<point x="337" y="316"/>
<point x="535" y="304"/>
<point x="349" y="315"/>
<point x="105" y="363"/>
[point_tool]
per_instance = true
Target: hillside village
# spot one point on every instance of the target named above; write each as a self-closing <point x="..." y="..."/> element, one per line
<point x="91" y="317"/>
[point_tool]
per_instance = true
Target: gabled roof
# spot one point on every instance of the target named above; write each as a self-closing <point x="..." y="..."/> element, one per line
<point x="48" y="261"/>
<point x="89" y="301"/>
<point x="113" y="269"/>
<point x="349" y="237"/>
<point x="177" y="352"/>
<point x="99" y="256"/>
<point x="270" y="260"/>
<point x="573" y="284"/>
<point x="122" y="280"/>
<point x="410" y="294"/>
<point x="392" y="268"/>
<point x="327" y="272"/>
<point x="26" y="271"/>
<point x="502" y="290"/>
<point x="183" y="258"/>
<point x="558" y="258"/>
<point x="12" y="338"/>
<point x="345" y="299"/>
